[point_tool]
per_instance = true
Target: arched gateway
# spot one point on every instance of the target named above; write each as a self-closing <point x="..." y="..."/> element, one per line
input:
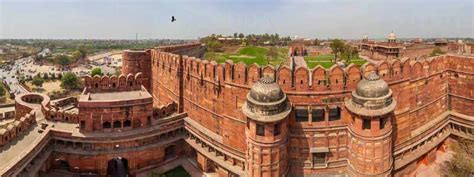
<point x="117" y="167"/>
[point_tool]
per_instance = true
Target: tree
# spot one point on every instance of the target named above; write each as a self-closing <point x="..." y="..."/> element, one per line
<point x="2" y="90"/>
<point x="241" y="35"/>
<point x="118" y="71"/>
<point x="83" y="51"/>
<point x="215" y="45"/>
<point x="235" y="35"/>
<point x="436" y="51"/>
<point x="38" y="81"/>
<point x="337" y="47"/>
<point x="462" y="163"/>
<point x="349" y="52"/>
<point x="76" y="55"/>
<point x="96" y="71"/>
<point x="69" y="81"/>
<point x="62" y="60"/>
<point x="272" y="54"/>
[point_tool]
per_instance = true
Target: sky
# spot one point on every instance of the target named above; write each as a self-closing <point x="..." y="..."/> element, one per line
<point x="150" y="19"/>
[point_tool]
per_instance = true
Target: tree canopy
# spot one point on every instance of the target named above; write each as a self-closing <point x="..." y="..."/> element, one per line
<point x="37" y="81"/>
<point x="343" y="51"/>
<point x="337" y="47"/>
<point x="96" y="71"/>
<point x="83" y="51"/>
<point x="69" y="81"/>
<point x="61" y="59"/>
<point x="436" y="51"/>
<point x="212" y="43"/>
<point x="76" y="55"/>
<point x="2" y="90"/>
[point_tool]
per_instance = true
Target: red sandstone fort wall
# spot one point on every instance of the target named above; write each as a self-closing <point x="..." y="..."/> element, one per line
<point x="138" y="159"/>
<point x="214" y="93"/>
<point x="135" y="62"/>
<point x="421" y="51"/>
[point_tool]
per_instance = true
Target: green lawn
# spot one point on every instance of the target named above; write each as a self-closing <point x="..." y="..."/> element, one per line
<point x="177" y="172"/>
<point x="249" y="55"/>
<point x="326" y="61"/>
<point x="358" y="62"/>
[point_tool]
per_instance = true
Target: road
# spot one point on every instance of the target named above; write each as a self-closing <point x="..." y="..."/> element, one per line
<point x="25" y="67"/>
<point x="299" y="61"/>
<point x="9" y="74"/>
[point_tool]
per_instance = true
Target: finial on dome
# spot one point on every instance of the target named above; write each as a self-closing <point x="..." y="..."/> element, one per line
<point x="372" y="76"/>
<point x="267" y="80"/>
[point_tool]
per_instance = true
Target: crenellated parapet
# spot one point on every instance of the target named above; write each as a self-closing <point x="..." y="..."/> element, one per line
<point x="9" y="131"/>
<point x="64" y="110"/>
<point x="212" y="92"/>
<point x="177" y="48"/>
<point x="25" y="103"/>
<point x="113" y="83"/>
<point x="164" y="110"/>
<point x="302" y="79"/>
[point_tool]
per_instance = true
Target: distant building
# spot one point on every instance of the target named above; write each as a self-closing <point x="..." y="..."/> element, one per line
<point x="390" y="49"/>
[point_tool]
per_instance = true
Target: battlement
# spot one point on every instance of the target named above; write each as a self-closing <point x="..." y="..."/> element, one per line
<point x="11" y="130"/>
<point x="64" y="110"/>
<point x="177" y="48"/>
<point x="113" y="83"/>
<point x="164" y="110"/>
<point x="303" y="79"/>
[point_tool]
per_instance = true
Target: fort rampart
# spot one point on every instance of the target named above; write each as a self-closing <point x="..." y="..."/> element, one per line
<point x="212" y="95"/>
<point x="9" y="131"/>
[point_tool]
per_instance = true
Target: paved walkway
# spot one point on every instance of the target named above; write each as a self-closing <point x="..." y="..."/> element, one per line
<point x="299" y="61"/>
<point x="14" y="149"/>
<point x="370" y="60"/>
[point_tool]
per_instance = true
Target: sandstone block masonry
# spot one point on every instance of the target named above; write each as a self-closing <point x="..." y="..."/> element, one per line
<point x="212" y="95"/>
<point x="196" y="109"/>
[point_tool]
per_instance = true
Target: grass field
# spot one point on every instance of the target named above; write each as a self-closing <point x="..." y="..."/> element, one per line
<point x="249" y="55"/>
<point x="326" y="61"/>
<point x="177" y="172"/>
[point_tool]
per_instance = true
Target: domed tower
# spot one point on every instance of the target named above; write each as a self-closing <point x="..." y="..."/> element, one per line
<point x="365" y="38"/>
<point x="267" y="109"/>
<point x="392" y="37"/>
<point x="370" y="131"/>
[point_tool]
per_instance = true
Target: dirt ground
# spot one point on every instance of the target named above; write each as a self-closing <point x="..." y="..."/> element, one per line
<point x="47" y="87"/>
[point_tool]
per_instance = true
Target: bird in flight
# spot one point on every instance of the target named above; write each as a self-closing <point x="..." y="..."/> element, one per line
<point x="173" y="19"/>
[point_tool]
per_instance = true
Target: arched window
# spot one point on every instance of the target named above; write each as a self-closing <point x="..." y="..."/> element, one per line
<point x="117" y="124"/>
<point x="96" y="85"/>
<point x="113" y="85"/>
<point x="127" y="123"/>
<point x="106" y="124"/>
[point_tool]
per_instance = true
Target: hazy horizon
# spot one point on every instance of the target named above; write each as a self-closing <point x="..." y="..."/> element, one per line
<point x="123" y="19"/>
